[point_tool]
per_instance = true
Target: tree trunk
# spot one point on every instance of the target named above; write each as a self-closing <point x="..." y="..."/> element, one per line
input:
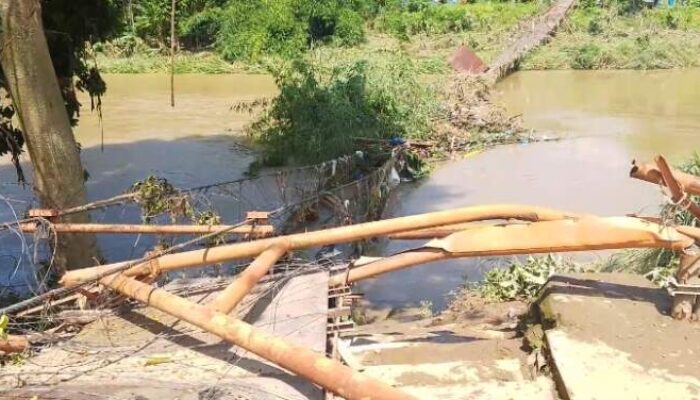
<point x="30" y="77"/>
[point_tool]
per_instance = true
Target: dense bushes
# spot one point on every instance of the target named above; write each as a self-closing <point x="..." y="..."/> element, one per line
<point x="253" y="28"/>
<point x="405" y="18"/>
<point x="248" y="29"/>
<point x="319" y="112"/>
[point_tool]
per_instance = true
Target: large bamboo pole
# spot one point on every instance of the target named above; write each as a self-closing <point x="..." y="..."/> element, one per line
<point x="343" y="234"/>
<point x="540" y="237"/>
<point x="152" y="229"/>
<point x="649" y="172"/>
<point x="325" y="372"/>
<point x="229" y="298"/>
<point x="675" y="187"/>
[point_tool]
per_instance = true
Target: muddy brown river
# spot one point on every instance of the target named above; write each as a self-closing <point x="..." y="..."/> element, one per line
<point x="605" y="119"/>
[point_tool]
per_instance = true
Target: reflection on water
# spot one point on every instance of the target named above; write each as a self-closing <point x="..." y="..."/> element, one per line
<point x="192" y="144"/>
<point x="137" y="107"/>
<point x="649" y="112"/>
<point x="606" y="118"/>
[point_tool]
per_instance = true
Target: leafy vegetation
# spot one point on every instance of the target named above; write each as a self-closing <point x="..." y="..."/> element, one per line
<point x="321" y="111"/>
<point x="409" y="18"/>
<point x="520" y="280"/>
<point x="261" y="32"/>
<point x="623" y="35"/>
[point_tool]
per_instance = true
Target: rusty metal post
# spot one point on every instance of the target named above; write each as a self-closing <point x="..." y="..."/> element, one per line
<point x="229" y="298"/>
<point x="343" y="234"/>
<point x="323" y="371"/>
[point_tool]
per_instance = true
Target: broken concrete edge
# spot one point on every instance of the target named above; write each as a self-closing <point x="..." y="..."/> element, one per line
<point x="548" y="320"/>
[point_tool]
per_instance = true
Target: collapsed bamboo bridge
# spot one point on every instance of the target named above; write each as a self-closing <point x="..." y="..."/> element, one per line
<point x="531" y="34"/>
<point x="285" y="332"/>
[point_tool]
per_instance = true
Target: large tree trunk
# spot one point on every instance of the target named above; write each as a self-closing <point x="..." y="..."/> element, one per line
<point x="58" y="173"/>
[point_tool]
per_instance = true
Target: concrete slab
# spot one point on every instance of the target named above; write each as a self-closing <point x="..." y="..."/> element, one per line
<point x="144" y="354"/>
<point x="448" y="361"/>
<point x="612" y="338"/>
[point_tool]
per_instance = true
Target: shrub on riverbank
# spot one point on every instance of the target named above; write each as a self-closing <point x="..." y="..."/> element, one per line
<point x="613" y="37"/>
<point x="405" y="19"/>
<point x="320" y="112"/>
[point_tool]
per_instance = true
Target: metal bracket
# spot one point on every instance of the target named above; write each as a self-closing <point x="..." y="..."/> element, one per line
<point x="675" y="288"/>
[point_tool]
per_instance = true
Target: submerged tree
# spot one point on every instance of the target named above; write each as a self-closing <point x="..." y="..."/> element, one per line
<point x="43" y="96"/>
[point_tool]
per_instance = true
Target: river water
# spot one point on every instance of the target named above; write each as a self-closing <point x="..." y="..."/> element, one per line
<point x="605" y="120"/>
<point x="195" y="143"/>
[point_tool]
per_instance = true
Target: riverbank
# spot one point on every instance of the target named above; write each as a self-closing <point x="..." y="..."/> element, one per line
<point x="612" y="37"/>
<point x="428" y="35"/>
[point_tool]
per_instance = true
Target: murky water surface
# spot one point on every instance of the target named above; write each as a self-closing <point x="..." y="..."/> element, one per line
<point x="606" y="119"/>
<point x="194" y="143"/>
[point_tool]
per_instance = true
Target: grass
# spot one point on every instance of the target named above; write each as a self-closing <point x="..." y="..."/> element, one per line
<point x="429" y="49"/>
<point x="608" y="38"/>
<point x="185" y="63"/>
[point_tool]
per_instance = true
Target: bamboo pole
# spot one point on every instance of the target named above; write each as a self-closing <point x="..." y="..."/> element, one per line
<point x="152" y="229"/>
<point x="343" y="234"/>
<point x="325" y="372"/>
<point x="649" y="172"/>
<point x="172" y="53"/>
<point x="13" y="344"/>
<point x="677" y="191"/>
<point x="229" y="298"/>
<point x="591" y="233"/>
<point x="438" y="232"/>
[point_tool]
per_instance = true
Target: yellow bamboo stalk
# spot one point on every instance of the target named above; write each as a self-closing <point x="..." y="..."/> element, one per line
<point x="229" y="298"/>
<point x="590" y="233"/>
<point x="152" y="229"/>
<point x="317" y="368"/>
<point x="307" y="240"/>
<point x="649" y="172"/>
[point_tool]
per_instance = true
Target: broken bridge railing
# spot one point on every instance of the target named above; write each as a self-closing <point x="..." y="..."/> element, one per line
<point x="527" y="230"/>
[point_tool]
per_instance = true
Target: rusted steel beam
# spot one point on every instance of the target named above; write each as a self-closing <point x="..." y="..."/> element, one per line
<point x="590" y="233"/>
<point x="678" y="195"/>
<point x="229" y="298"/>
<point x="649" y="172"/>
<point x="317" y="368"/>
<point x="152" y="229"/>
<point x="343" y="234"/>
<point x="13" y="344"/>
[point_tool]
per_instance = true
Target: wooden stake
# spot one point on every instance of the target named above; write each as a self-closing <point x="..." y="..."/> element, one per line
<point x="172" y="53"/>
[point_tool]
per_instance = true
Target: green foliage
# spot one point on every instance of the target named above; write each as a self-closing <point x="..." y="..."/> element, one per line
<point x="200" y="29"/>
<point x="157" y="196"/>
<point x="407" y="18"/>
<point x="252" y="29"/>
<point x="610" y="36"/>
<point x="520" y="281"/>
<point x="320" y="111"/>
<point x="588" y="56"/>
<point x="4" y="323"/>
